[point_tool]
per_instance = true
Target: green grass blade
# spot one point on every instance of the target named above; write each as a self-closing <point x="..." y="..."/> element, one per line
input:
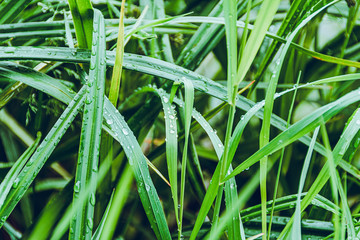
<point x="171" y="147"/>
<point x="296" y="229"/>
<point x="52" y="213"/>
<point x="88" y="158"/>
<point x="116" y="205"/>
<point x="351" y="130"/>
<point x="13" y="173"/>
<point x="10" y="9"/>
<point x="262" y="23"/>
<point x="189" y="103"/>
<point x="38" y="159"/>
<point x="299" y="129"/>
<point x="116" y="76"/>
<point x="82" y="13"/>
<point x="137" y="63"/>
<point x="146" y="189"/>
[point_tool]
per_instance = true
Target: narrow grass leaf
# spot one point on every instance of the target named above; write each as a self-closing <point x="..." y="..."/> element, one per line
<point x="42" y="153"/>
<point x="189" y="103"/>
<point x="146" y="188"/>
<point x="102" y="225"/>
<point x="11" y="9"/>
<point x="171" y="146"/>
<point x="88" y="157"/>
<point x="338" y="152"/>
<point x="299" y="129"/>
<point x="82" y="14"/>
<point x="262" y="23"/>
<point x="296" y="229"/>
<point x="116" y="76"/>
<point x="9" y="180"/>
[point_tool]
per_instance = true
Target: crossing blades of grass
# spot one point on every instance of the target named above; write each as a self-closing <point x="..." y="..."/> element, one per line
<point x="13" y="173"/>
<point x="296" y="228"/>
<point x="262" y="23"/>
<point x="10" y="9"/>
<point x="42" y="153"/>
<point x="268" y="108"/>
<point x="143" y="64"/>
<point x="299" y="129"/>
<point x="338" y="152"/>
<point x="146" y="188"/>
<point x="88" y="157"/>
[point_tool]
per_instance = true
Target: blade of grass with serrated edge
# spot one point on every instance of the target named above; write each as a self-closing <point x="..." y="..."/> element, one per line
<point x="103" y="228"/>
<point x="88" y="157"/>
<point x="146" y="188"/>
<point x="13" y="173"/>
<point x="189" y="103"/>
<point x="296" y="228"/>
<point x="10" y="9"/>
<point x="82" y="14"/>
<point x="38" y="159"/>
<point x="342" y="145"/>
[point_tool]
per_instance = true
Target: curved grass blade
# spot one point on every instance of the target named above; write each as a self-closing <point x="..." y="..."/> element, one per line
<point x="340" y="149"/>
<point x="88" y="157"/>
<point x="268" y="109"/>
<point x="38" y="159"/>
<point x="146" y="65"/>
<point x="13" y="173"/>
<point x="300" y="128"/>
<point x="146" y="188"/>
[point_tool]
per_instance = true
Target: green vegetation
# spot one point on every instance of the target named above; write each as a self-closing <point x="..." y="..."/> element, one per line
<point x="179" y="119"/>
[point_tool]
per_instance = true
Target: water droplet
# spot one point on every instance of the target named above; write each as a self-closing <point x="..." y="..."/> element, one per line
<point x="16" y="183"/>
<point x="125" y="131"/>
<point x="171" y="116"/>
<point x="147" y="187"/>
<point x="92" y="199"/>
<point x="165" y="99"/>
<point x="90" y="223"/>
<point x="172" y="131"/>
<point x="358" y="122"/>
<point x="109" y="121"/>
<point x="77" y="187"/>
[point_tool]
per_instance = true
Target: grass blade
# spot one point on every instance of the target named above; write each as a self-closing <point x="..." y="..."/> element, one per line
<point x="82" y="13"/>
<point x="88" y="158"/>
<point x="13" y="173"/>
<point x="38" y="159"/>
